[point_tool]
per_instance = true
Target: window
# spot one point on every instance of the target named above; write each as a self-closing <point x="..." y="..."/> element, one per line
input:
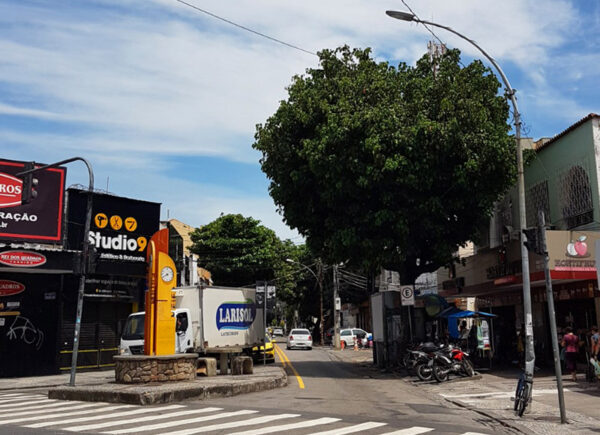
<point x="346" y="332"/>
<point x="538" y="199"/>
<point x="182" y="322"/>
<point x="576" y="197"/>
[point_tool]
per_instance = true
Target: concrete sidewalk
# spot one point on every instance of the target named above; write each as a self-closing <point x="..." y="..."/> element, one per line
<point x="491" y="395"/>
<point x="101" y="386"/>
<point x="494" y="394"/>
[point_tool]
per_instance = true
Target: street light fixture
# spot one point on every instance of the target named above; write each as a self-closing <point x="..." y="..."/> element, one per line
<point x="529" y="349"/>
<point x="85" y="253"/>
<point x="319" y="279"/>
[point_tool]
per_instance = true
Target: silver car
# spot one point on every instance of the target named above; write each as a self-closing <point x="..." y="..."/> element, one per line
<point x="299" y="338"/>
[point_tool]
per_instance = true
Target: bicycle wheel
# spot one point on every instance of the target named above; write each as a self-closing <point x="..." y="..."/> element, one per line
<point x="518" y="393"/>
<point x="523" y="401"/>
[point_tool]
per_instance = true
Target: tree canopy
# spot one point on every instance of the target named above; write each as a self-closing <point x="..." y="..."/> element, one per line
<point x="388" y="166"/>
<point x="239" y="251"/>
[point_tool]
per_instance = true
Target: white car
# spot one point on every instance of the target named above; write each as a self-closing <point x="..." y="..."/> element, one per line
<point x="278" y="332"/>
<point x="299" y="338"/>
<point x="347" y="336"/>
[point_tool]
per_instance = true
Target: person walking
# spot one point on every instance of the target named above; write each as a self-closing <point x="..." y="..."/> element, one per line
<point x="594" y="342"/>
<point x="571" y="344"/>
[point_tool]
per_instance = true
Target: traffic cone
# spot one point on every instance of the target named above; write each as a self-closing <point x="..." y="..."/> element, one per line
<point x="356" y="345"/>
<point x="343" y="344"/>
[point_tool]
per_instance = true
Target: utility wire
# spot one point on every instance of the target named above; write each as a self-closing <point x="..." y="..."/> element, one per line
<point x="247" y="29"/>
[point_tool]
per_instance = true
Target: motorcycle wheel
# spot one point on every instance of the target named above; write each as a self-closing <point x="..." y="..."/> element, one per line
<point x="424" y="372"/>
<point x="468" y="368"/>
<point x="439" y="373"/>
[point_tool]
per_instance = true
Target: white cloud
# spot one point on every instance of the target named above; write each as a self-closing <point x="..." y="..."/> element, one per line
<point x="132" y="82"/>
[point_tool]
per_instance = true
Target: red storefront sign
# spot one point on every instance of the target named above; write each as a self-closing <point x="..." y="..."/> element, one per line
<point x="10" y="288"/>
<point x="40" y="220"/>
<point x="22" y="258"/>
<point x="10" y="190"/>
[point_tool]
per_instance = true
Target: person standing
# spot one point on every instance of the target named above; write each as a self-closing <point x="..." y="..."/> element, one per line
<point x="594" y="342"/>
<point x="571" y="344"/>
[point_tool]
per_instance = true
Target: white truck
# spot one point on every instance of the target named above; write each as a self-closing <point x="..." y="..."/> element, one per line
<point x="209" y="320"/>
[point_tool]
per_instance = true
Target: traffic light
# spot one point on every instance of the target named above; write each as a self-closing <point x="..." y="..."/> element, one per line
<point x="534" y="240"/>
<point x="29" y="184"/>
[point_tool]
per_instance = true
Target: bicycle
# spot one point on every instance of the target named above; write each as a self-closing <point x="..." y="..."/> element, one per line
<point x="523" y="393"/>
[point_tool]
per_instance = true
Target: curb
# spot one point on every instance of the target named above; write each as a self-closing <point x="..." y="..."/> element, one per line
<point x="57" y="383"/>
<point x="152" y="394"/>
<point x="492" y="415"/>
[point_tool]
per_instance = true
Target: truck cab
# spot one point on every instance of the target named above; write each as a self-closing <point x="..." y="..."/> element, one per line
<point x="132" y="339"/>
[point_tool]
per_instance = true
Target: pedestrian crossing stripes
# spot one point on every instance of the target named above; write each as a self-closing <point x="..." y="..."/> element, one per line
<point x="35" y="411"/>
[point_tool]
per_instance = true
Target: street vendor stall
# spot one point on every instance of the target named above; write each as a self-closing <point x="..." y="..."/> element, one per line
<point x="479" y="339"/>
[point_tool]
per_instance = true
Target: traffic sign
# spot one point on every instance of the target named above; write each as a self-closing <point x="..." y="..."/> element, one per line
<point x="408" y="295"/>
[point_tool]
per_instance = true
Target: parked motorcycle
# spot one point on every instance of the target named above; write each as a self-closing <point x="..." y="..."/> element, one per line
<point x="418" y="359"/>
<point x="452" y="361"/>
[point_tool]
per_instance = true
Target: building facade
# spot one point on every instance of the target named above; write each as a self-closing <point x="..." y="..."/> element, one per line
<point x="562" y="180"/>
<point x="39" y="281"/>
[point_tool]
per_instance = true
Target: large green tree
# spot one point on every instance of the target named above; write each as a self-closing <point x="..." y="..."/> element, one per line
<point x="239" y="251"/>
<point x="388" y="166"/>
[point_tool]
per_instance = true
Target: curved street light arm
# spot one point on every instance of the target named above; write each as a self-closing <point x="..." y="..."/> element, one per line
<point x="303" y="266"/>
<point x="529" y="348"/>
<point x="85" y="254"/>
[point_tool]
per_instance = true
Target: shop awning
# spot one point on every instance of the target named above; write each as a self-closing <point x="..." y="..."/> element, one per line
<point x="467" y="313"/>
<point x="453" y="314"/>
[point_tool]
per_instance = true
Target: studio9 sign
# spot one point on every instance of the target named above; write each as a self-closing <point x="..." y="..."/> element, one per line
<point x="41" y="219"/>
<point x="120" y="227"/>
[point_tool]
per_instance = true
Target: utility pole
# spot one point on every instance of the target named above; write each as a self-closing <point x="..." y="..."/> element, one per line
<point x="320" y="281"/>
<point x="265" y="324"/>
<point x="552" y="316"/>
<point x="336" y="303"/>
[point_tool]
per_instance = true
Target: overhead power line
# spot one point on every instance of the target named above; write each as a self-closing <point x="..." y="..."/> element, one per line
<point x="247" y="29"/>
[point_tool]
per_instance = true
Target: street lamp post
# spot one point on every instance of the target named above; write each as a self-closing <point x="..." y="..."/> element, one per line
<point x="319" y="277"/>
<point x="529" y="350"/>
<point x="85" y="252"/>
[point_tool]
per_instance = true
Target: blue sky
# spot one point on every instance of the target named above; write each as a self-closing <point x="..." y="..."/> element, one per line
<point x="163" y="100"/>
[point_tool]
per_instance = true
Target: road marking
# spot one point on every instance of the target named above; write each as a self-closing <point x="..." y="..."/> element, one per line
<point x="351" y="429"/>
<point x="474" y="433"/>
<point x="139" y="419"/>
<point x="288" y="362"/>
<point x="252" y="421"/>
<point x="23" y="399"/>
<point x="182" y="422"/>
<point x="21" y="405"/>
<point x="279" y="355"/>
<point x="15" y="394"/>
<point x="64" y="414"/>
<point x="104" y="416"/>
<point x="47" y="409"/>
<point x="308" y="423"/>
<point x="415" y="430"/>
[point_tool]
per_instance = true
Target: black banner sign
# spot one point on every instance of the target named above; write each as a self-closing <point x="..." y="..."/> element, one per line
<point x="120" y="230"/>
<point x="41" y="219"/>
<point x="113" y="287"/>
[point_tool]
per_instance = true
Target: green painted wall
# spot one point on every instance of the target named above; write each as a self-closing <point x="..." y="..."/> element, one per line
<point x="575" y="148"/>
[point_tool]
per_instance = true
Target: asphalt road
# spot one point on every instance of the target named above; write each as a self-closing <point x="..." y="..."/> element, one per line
<point x="357" y="394"/>
<point x="327" y="396"/>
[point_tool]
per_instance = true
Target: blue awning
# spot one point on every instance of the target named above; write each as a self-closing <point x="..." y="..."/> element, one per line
<point x="467" y="313"/>
<point x="453" y="314"/>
